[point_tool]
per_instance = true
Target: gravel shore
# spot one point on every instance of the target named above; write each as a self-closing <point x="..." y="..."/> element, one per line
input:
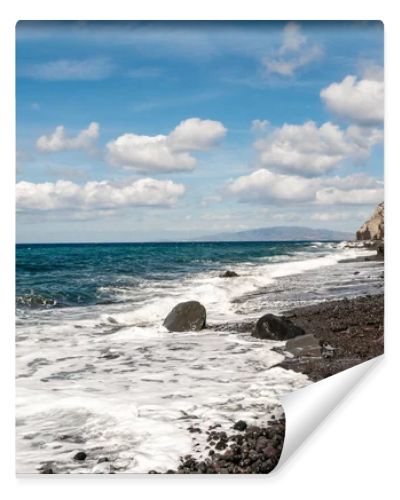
<point x="349" y="331"/>
<point x="352" y="328"/>
<point x="245" y="450"/>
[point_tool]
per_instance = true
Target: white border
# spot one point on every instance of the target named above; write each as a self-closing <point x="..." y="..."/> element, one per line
<point x="355" y="452"/>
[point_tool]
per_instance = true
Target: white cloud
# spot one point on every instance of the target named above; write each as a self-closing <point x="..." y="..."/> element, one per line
<point x="295" y="52"/>
<point x="195" y="134"/>
<point x="66" y="195"/>
<point x="147" y="153"/>
<point x="259" y="125"/>
<point x="362" y="139"/>
<point x="310" y="150"/>
<point x="60" y="141"/>
<point x="334" y="196"/>
<point x="371" y="71"/>
<point x="329" y="216"/>
<point x="165" y="153"/>
<point x="67" y="69"/>
<point x="264" y="187"/>
<point x="361" y="101"/>
<point x="293" y="39"/>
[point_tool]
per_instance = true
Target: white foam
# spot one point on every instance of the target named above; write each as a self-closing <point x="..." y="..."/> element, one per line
<point x="121" y="386"/>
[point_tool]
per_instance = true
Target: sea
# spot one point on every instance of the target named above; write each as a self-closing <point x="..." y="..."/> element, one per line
<point x="97" y="372"/>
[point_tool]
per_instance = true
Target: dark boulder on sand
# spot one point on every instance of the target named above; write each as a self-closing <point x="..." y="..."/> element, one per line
<point x="229" y="274"/>
<point x="186" y="316"/>
<point x="273" y="327"/>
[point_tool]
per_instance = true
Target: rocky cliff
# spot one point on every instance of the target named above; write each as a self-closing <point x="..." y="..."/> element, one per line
<point x="373" y="229"/>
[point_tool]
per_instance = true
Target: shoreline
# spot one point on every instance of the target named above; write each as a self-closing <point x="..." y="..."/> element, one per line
<point x="256" y="448"/>
<point x="349" y="331"/>
<point x="339" y="334"/>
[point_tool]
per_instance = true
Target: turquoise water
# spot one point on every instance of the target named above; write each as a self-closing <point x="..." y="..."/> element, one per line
<point x="64" y="275"/>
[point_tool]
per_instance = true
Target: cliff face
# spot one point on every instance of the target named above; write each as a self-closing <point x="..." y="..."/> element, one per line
<point x="374" y="228"/>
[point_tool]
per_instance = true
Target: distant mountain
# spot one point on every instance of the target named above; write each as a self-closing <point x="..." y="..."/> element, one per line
<point x="280" y="233"/>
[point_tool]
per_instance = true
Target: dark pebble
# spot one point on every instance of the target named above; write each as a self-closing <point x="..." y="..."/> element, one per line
<point x="240" y="425"/>
<point x="256" y="451"/>
<point x="46" y="471"/>
<point x="80" y="456"/>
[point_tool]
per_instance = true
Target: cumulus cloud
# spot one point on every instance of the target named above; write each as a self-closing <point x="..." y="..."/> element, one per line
<point x="166" y="153"/>
<point x="259" y="125"/>
<point x="310" y="150"/>
<point x="69" y="69"/>
<point x="334" y="196"/>
<point x="60" y="141"/>
<point x="358" y="100"/>
<point x="264" y="187"/>
<point x="295" y="52"/>
<point x="94" y="195"/>
<point x="194" y="134"/>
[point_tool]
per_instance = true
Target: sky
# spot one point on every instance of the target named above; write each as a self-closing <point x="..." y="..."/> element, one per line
<point x="143" y="131"/>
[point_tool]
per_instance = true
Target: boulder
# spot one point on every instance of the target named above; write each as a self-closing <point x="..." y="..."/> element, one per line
<point x="240" y="425"/>
<point x="80" y="456"/>
<point x="228" y="274"/>
<point x="186" y="316"/>
<point x="305" y="345"/>
<point x="273" y="327"/>
<point x="373" y="228"/>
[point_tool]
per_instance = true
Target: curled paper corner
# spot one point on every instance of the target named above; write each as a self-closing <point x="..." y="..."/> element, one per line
<point x="306" y="408"/>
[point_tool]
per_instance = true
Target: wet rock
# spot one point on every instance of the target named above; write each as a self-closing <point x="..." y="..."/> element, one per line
<point x="350" y="332"/>
<point x="240" y="425"/>
<point x="228" y="274"/>
<point x="71" y="438"/>
<point x="186" y="316"/>
<point x="46" y="470"/>
<point x="258" y="452"/>
<point x="304" y="345"/>
<point x="273" y="327"/>
<point x="109" y="354"/>
<point x="194" y="430"/>
<point x="80" y="456"/>
<point x="261" y="443"/>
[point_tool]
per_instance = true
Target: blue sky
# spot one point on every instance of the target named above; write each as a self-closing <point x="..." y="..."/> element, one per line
<point x="172" y="130"/>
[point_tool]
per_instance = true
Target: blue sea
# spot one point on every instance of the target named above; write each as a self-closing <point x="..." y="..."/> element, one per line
<point x="98" y="372"/>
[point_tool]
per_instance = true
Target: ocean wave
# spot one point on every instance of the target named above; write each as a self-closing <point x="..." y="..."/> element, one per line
<point x="35" y="301"/>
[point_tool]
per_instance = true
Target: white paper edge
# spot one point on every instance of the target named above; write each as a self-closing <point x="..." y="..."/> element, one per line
<point x="306" y="408"/>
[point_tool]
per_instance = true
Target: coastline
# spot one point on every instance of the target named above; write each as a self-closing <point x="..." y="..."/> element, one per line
<point x="349" y="331"/>
<point x="352" y="328"/>
<point x="214" y="443"/>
